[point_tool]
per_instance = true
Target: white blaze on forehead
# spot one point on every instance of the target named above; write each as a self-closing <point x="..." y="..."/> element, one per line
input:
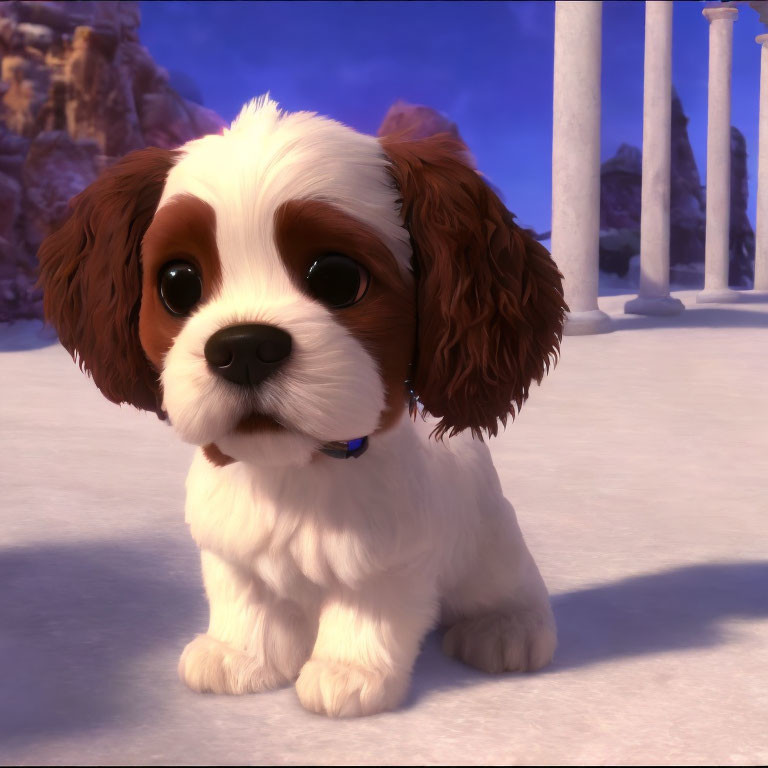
<point x="331" y="387"/>
<point x="268" y="157"/>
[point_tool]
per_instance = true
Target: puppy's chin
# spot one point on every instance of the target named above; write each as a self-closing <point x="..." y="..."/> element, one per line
<point x="269" y="449"/>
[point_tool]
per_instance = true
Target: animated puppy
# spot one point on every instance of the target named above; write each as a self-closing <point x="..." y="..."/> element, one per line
<point x="290" y="294"/>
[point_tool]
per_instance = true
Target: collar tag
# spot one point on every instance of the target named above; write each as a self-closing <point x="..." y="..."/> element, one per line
<point x="350" y="449"/>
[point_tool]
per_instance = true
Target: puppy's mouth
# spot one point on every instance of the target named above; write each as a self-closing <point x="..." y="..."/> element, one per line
<point x="258" y="422"/>
<point x="251" y="423"/>
<point x="255" y="422"/>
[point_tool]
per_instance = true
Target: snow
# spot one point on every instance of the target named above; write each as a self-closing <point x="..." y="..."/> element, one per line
<point x="639" y="471"/>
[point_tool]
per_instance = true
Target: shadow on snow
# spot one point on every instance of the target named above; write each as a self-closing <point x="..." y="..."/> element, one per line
<point x="78" y="623"/>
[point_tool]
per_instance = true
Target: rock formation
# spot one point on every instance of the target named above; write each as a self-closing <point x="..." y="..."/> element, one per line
<point x="415" y="121"/>
<point x="620" y="198"/>
<point x="688" y="204"/>
<point x="620" y="194"/>
<point x="77" y="91"/>
<point x="741" y="272"/>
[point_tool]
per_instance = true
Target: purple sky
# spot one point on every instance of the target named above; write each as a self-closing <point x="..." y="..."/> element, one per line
<point x="487" y="65"/>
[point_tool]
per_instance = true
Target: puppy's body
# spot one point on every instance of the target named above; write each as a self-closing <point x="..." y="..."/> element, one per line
<point x="284" y="287"/>
<point x="358" y="559"/>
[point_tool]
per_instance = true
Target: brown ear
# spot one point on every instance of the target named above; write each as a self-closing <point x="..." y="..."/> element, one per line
<point x="90" y="272"/>
<point x="490" y="298"/>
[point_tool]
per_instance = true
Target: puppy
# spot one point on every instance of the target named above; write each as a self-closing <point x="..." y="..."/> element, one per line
<point x="296" y="298"/>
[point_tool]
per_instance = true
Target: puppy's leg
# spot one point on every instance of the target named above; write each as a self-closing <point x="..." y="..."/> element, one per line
<point x="255" y="641"/>
<point x="366" y="645"/>
<point x="497" y="612"/>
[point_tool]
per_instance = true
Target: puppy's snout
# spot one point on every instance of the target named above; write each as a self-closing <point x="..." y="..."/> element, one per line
<point x="247" y="354"/>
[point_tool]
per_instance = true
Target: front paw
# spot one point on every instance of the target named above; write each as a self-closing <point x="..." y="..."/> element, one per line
<point x="208" y="665"/>
<point x="523" y="641"/>
<point x="345" y="690"/>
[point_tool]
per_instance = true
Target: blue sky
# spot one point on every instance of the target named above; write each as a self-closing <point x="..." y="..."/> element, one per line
<point x="487" y="65"/>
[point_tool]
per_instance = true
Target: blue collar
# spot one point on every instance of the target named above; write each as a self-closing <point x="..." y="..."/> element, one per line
<point x="346" y="449"/>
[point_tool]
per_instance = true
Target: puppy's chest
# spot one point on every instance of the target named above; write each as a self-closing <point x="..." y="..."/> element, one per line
<point x="289" y="532"/>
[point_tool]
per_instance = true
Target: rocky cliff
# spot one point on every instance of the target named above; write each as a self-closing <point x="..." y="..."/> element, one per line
<point x="620" y="189"/>
<point x="620" y="197"/>
<point x="741" y="272"/>
<point x="77" y="91"/>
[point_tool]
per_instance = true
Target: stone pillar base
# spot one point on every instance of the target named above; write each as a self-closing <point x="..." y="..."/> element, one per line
<point x="757" y="294"/>
<point x="717" y="296"/>
<point x="586" y="323"/>
<point x="658" y="305"/>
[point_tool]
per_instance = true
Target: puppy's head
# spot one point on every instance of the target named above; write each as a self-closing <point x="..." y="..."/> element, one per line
<point x="272" y="288"/>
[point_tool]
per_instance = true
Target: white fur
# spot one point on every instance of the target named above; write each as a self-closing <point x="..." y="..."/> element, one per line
<point x="330" y="388"/>
<point x="334" y="572"/>
<point x="322" y="571"/>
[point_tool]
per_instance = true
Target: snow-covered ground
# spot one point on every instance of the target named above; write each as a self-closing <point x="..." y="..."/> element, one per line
<point x="639" y="471"/>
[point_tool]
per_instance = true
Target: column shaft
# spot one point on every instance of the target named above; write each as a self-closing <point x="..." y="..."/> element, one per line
<point x="654" y="298"/>
<point x="716" y="249"/>
<point x="576" y="160"/>
<point x="761" y="224"/>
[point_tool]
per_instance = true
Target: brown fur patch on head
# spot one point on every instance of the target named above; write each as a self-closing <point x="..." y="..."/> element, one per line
<point x="185" y="229"/>
<point x="490" y="298"/>
<point x="90" y="272"/>
<point x="384" y="319"/>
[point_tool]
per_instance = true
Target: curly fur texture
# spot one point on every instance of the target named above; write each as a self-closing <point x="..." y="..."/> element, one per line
<point x="90" y="269"/>
<point x="491" y="306"/>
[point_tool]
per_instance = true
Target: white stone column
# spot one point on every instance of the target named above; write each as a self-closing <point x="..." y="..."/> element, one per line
<point x="576" y="161"/>
<point x="761" y="225"/>
<point x="653" y="297"/>
<point x="718" y="157"/>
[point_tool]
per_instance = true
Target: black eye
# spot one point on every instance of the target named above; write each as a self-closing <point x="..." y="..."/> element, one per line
<point x="180" y="287"/>
<point x="337" y="280"/>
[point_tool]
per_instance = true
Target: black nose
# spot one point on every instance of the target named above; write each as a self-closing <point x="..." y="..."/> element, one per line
<point x="247" y="354"/>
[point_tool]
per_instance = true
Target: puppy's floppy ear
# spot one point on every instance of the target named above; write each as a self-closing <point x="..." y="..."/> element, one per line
<point x="90" y="272"/>
<point x="490" y="298"/>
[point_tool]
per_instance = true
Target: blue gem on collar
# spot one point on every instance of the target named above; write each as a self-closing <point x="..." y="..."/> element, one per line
<point x="349" y="449"/>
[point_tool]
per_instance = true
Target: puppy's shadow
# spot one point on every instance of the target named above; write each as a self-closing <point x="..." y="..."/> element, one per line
<point x="75" y="622"/>
<point x="675" y="610"/>
<point x="89" y="631"/>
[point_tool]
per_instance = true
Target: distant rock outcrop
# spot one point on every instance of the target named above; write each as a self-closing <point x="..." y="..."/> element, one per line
<point x="741" y="272"/>
<point x="688" y="204"/>
<point x="77" y="92"/>
<point x="620" y="186"/>
<point x="620" y="198"/>
<point x="620" y="190"/>
<point x="415" y="121"/>
<point x="620" y="195"/>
